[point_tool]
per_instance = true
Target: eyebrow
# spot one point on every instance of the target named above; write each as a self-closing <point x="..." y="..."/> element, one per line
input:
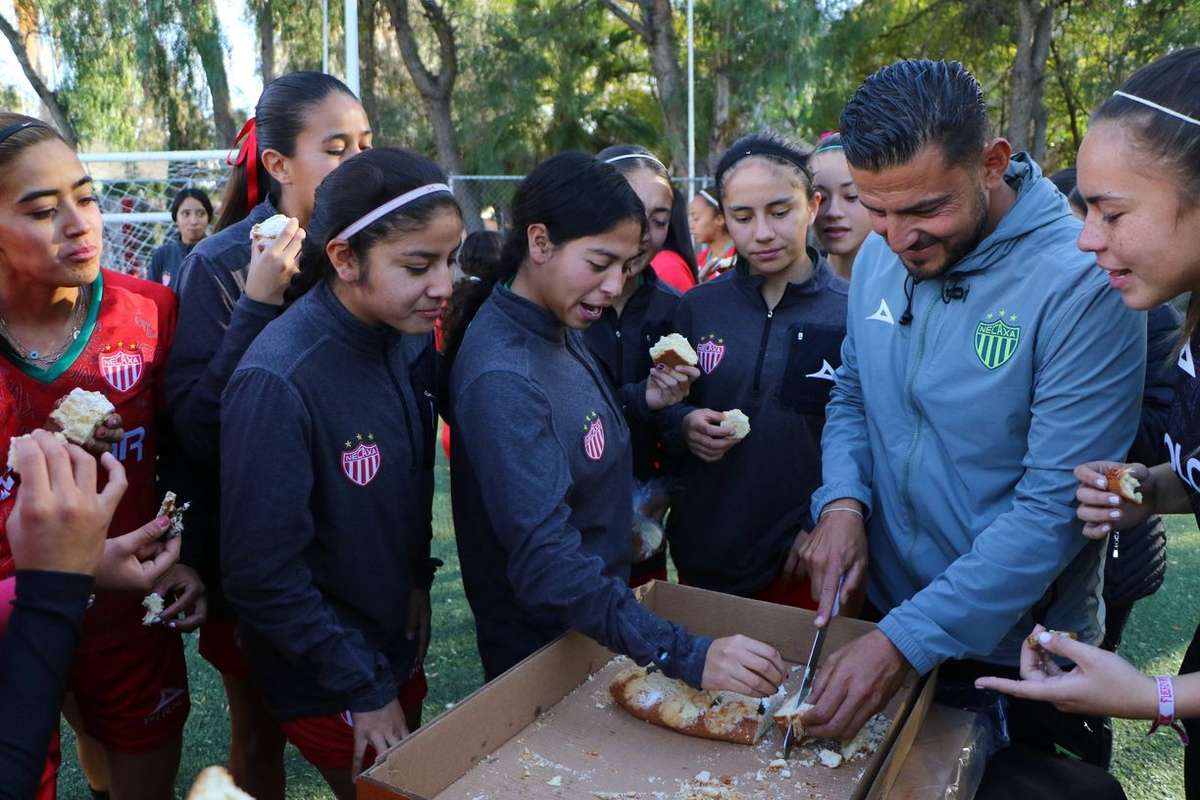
<point x="38" y="193"/>
<point x="917" y="208"/>
<point x="608" y="253"/>
<point x="776" y="202"/>
<point x="1096" y="199"/>
<point x="345" y="135"/>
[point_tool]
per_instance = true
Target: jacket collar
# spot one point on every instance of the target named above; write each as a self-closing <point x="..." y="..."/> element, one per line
<point x="531" y="316"/>
<point x="819" y="280"/>
<point x="342" y="324"/>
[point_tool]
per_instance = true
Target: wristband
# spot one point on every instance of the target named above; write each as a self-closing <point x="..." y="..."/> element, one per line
<point x="832" y="509"/>
<point x="1166" y="709"/>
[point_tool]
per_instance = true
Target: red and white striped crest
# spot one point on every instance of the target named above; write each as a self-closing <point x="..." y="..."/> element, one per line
<point x="593" y="439"/>
<point x="122" y="368"/>
<point x="361" y="464"/>
<point x="710" y="353"/>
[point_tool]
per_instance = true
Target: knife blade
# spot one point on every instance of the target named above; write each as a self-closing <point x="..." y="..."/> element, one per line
<point x="810" y="669"/>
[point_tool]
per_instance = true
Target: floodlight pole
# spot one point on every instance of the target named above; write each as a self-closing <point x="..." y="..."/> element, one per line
<point x="691" y="66"/>
<point x="325" y="36"/>
<point x="351" y="26"/>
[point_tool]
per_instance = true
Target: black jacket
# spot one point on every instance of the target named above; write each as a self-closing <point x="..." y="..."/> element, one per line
<point x="327" y="432"/>
<point x="732" y="521"/>
<point x="542" y="483"/>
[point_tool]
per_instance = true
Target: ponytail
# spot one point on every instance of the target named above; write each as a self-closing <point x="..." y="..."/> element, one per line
<point x="279" y="117"/>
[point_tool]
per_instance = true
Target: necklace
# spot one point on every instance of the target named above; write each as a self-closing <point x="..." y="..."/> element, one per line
<point x="74" y="325"/>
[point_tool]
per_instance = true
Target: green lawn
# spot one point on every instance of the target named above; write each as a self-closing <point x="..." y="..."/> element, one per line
<point x="1155" y="639"/>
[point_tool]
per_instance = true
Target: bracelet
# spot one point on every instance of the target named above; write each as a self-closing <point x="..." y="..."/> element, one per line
<point x="1166" y="708"/>
<point x="831" y="509"/>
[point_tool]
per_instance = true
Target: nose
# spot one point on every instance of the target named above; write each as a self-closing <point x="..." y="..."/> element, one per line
<point x="1091" y="240"/>
<point x="833" y="209"/>
<point x="73" y="222"/>
<point x="899" y="236"/>
<point x="614" y="281"/>
<point x="762" y="229"/>
<point x="442" y="284"/>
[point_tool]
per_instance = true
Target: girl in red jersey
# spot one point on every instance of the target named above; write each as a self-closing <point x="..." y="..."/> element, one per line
<point x="63" y="326"/>
<point x="708" y="228"/>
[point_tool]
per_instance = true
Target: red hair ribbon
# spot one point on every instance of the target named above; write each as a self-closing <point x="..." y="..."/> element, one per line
<point x="825" y="135"/>
<point x="247" y="154"/>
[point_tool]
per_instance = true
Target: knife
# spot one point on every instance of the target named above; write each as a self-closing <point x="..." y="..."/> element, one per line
<point x="810" y="669"/>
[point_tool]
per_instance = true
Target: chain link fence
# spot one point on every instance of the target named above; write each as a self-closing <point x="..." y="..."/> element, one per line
<point x="136" y="189"/>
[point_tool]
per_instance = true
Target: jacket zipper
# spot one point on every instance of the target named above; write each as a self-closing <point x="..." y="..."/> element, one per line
<point x="918" y="424"/>
<point x="762" y="348"/>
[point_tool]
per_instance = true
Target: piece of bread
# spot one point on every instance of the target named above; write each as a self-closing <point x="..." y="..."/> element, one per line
<point x="673" y="350"/>
<point x="737" y="422"/>
<point x="12" y="455"/>
<point x="269" y="229"/>
<point x="153" y="603"/>
<point x="171" y="509"/>
<point x="1122" y="482"/>
<point x="724" y="716"/>
<point x="1032" y="639"/>
<point x="789" y="714"/>
<point x="80" y="412"/>
<point x="214" y="783"/>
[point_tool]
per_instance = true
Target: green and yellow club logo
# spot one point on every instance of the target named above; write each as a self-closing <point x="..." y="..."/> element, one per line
<point x="996" y="339"/>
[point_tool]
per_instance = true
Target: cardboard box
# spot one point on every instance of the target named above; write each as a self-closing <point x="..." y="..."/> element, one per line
<point x="513" y="738"/>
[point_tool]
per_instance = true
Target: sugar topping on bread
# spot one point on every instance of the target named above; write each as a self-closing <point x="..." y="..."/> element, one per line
<point x="12" y="454"/>
<point x="674" y="350"/>
<point x="80" y="412"/>
<point x="736" y="422"/>
<point x="269" y="228"/>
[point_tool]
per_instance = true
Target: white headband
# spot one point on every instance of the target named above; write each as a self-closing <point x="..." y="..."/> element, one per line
<point x="1157" y="107"/>
<point x="646" y="156"/>
<point x="704" y="193"/>
<point x="389" y="207"/>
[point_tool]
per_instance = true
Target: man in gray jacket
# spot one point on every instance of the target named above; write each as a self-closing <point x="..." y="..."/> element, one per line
<point x="984" y="359"/>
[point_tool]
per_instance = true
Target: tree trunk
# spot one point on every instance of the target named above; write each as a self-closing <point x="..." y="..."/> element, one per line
<point x="436" y="89"/>
<point x="58" y="114"/>
<point x="724" y="126"/>
<point x="1027" y="111"/>
<point x="265" y="22"/>
<point x="657" y="29"/>
<point x="206" y="39"/>
<point x="367" y="25"/>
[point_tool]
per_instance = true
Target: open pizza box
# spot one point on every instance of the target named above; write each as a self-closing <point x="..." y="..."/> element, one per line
<point x="548" y="727"/>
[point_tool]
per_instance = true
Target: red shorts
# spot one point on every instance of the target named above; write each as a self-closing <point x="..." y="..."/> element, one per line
<point x="785" y="592"/>
<point x="327" y="741"/>
<point x="133" y="692"/>
<point x="221" y="646"/>
<point x="48" y="787"/>
<point x="797" y="594"/>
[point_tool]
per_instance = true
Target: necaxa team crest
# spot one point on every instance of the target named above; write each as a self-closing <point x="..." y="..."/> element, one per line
<point x="711" y="350"/>
<point x="122" y="366"/>
<point x="361" y="459"/>
<point x="996" y="340"/>
<point x="593" y="436"/>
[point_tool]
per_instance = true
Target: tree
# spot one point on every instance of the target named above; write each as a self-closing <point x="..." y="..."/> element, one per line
<point x="1027" y="111"/>
<point x="199" y="19"/>
<point x="436" y="88"/>
<point x="19" y="41"/>
<point x="654" y="22"/>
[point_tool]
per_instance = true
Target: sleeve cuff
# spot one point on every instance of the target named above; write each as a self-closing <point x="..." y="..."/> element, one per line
<point x="263" y="311"/>
<point x="633" y="402"/>
<point x="690" y="668"/>
<point x="55" y="586"/>
<point x="836" y="491"/>
<point x="920" y="659"/>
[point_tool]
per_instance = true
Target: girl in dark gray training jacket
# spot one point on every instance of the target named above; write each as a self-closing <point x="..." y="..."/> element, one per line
<point x="327" y="430"/>
<point x="542" y="472"/>
<point x="769" y="336"/>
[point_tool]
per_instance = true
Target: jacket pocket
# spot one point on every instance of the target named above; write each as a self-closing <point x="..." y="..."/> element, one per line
<point x="814" y="354"/>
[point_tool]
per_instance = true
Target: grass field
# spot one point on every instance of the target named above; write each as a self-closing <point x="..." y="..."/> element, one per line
<point x="1155" y="640"/>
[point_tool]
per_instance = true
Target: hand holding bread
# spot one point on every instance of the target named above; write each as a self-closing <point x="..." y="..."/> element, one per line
<point x="274" y="258"/>
<point x="707" y="434"/>
<point x="1113" y="496"/>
